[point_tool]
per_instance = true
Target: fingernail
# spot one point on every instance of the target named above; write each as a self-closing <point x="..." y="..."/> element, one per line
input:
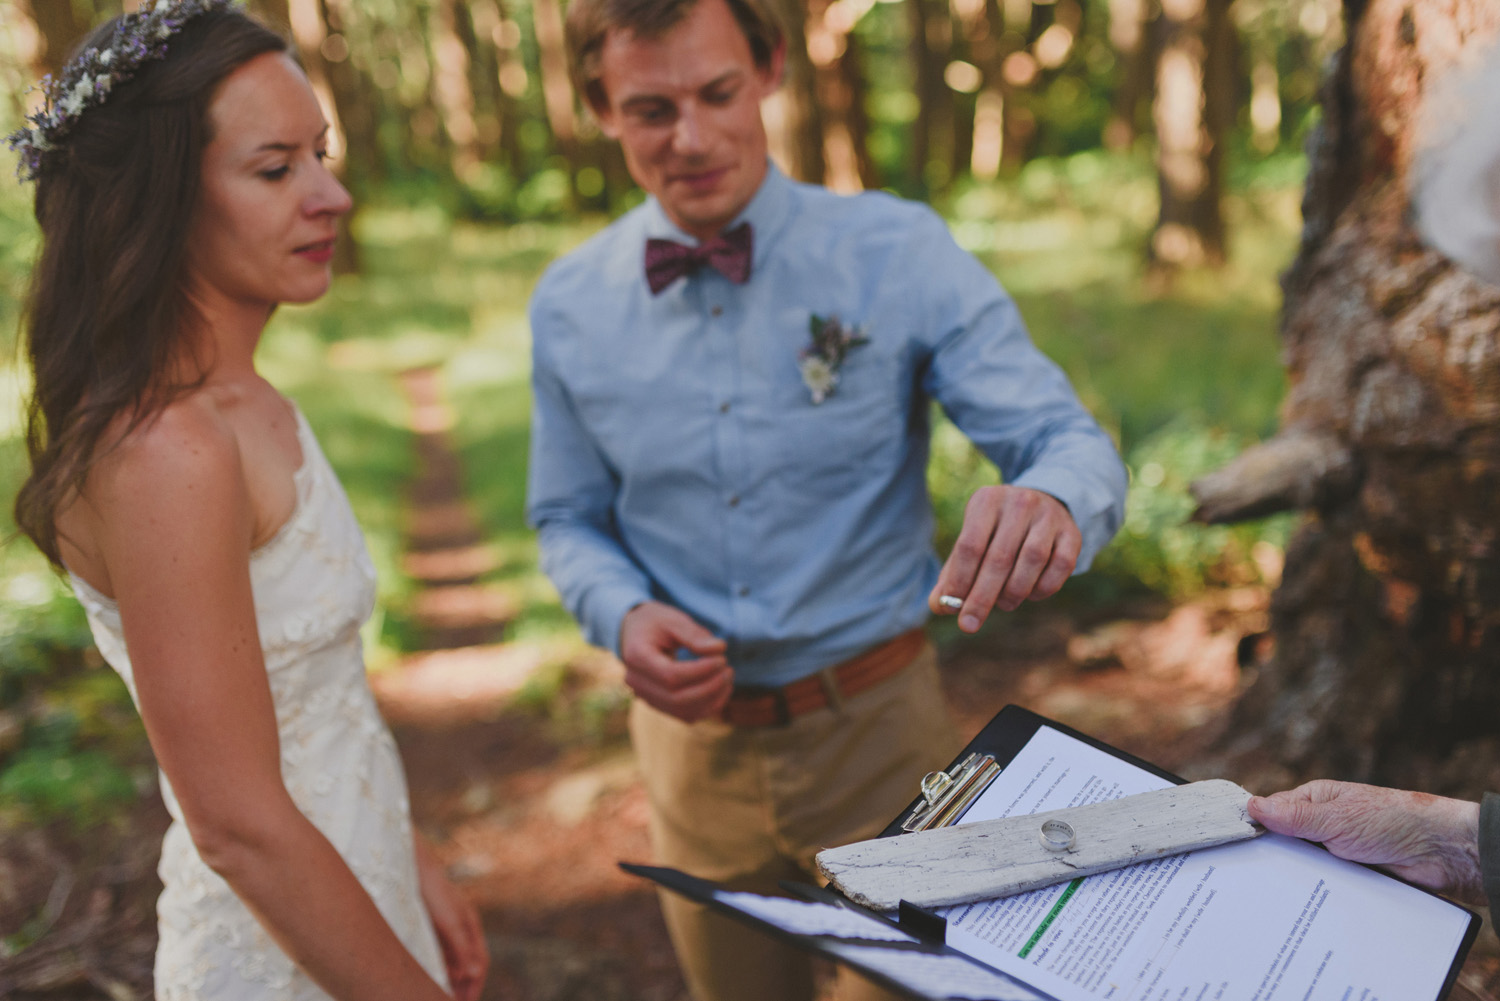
<point x="969" y="623"/>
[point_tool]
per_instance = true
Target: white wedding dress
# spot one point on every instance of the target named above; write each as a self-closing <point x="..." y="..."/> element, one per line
<point x="314" y="585"/>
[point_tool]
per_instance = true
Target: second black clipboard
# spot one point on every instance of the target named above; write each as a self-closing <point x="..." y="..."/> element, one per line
<point x="909" y="958"/>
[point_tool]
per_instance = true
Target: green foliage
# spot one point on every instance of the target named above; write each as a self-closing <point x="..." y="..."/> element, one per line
<point x="1157" y="546"/>
<point x="69" y="735"/>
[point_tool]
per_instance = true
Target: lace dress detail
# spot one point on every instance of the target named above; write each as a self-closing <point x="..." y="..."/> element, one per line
<point x="314" y="585"/>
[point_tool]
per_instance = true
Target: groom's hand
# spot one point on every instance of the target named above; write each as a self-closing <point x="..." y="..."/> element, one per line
<point x="651" y="635"/>
<point x="1017" y="544"/>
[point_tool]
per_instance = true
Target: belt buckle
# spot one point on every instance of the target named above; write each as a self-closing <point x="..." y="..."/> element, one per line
<point x="776" y="694"/>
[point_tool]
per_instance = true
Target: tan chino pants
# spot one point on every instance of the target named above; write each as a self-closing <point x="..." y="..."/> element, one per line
<point x="750" y="806"/>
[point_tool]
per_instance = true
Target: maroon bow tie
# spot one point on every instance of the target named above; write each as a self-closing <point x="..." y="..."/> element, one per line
<point x="728" y="253"/>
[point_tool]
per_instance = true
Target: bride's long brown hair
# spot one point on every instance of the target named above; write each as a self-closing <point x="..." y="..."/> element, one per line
<point x="107" y="308"/>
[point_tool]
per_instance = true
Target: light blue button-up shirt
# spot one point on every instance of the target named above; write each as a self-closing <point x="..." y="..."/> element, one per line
<point x="677" y="455"/>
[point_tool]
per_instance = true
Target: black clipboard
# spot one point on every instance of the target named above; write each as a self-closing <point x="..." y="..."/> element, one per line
<point x="925" y="928"/>
<point x="1003" y="737"/>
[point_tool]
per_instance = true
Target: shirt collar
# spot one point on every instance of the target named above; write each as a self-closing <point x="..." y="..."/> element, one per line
<point x="767" y="211"/>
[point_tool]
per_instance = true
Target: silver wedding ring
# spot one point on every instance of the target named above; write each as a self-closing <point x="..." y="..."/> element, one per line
<point x="1057" y="835"/>
<point x="949" y="601"/>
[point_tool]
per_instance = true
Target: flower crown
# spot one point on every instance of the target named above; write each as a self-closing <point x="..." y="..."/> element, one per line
<point x="88" y="78"/>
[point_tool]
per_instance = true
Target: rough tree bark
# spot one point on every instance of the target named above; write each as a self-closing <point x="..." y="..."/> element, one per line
<point x="1386" y="652"/>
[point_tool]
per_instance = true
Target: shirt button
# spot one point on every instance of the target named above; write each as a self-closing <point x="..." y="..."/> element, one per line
<point x="724" y="407"/>
<point x="744" y="592"/>
<point x="734" y="501"/>
<point x="717" y="311"/>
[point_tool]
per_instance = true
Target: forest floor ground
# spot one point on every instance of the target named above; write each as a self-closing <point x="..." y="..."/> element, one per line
<point x="522" y="776"/>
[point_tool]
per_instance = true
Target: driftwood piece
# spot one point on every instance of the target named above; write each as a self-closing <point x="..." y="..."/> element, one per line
<point x="997" y="858"/>
<point x="1293" y="471"/>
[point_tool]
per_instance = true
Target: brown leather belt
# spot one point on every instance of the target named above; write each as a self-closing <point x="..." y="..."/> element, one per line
<point x="764" y="705"/>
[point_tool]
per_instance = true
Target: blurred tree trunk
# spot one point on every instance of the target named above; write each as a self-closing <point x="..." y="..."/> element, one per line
<point x="794" y="120"/>
<point x="932" y="48"/>
<point x="990" y="45"/>
<point x="309" y="22"/>
<point x="1385" y="624"/>
<point x="495" y="63"/>
<point x="966" y="20"/>
<point x="839" y="87"/>
<point x="557" y="91"/>
<point x="450" y="78"/>
<point x="56" y="26"/>
<point x="355" y="96"/>
<point x="1192" y="77"/>
<point x="277" y="13"/>
<point x="1132" y="33"/>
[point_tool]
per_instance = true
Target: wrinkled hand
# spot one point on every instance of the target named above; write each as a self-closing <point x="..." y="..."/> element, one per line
<point x="650" y="637"/>
<point x="1428" y="840"/>
<point x="456" y="921"/>
<point x="1016" y="544"/>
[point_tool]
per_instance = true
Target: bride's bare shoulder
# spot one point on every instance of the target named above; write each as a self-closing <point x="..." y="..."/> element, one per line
<point x="188" y="438"/>
<point x="181" y="462"/>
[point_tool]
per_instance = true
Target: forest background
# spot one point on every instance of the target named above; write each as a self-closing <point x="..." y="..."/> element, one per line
<point x="1130" y="169"/>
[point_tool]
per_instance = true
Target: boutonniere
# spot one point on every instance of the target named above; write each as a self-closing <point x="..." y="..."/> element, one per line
<point x="820" y="361"/>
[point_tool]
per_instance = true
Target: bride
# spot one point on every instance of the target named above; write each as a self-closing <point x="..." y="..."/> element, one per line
<point x="182" y="192"/>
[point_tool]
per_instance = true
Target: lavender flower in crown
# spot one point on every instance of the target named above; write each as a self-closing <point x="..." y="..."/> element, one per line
<point x="87" y="80"/>
<point x="820" y="360"/>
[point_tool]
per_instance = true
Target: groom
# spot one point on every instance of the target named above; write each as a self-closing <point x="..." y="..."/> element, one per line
<point x="732" y="390"/>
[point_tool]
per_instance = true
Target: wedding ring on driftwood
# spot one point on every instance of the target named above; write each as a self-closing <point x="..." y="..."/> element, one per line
<point x="942" y="866"/>
<point x="949" y="601"/>
<point x="1058" y="836"/>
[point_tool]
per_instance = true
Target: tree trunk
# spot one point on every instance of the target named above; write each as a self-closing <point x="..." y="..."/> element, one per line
<point x="839" y="87"/>
<point x="1191" y="76"/>
<point x="557" y="90"/>
<point x="1132" y="32"/>
<point x="57" y="26"/>
<point x="496" y="63"/>
<point x="926" y="84"/>
<point x="1386" y="621"/>
<point x="309" y="22"/>
<point x="794" y="123"/>
<point x="455" y="97"/>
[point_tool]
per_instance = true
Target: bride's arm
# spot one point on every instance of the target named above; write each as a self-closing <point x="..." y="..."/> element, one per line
<point x="173" y="524"/>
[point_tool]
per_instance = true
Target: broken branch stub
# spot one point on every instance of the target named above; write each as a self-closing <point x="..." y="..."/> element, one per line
<point x="1293" y="471"/>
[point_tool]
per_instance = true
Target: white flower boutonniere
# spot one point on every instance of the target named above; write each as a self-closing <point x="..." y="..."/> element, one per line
<point x="820" y="361"/>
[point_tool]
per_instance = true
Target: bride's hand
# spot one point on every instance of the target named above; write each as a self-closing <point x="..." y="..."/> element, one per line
<point x="456" y="922"/>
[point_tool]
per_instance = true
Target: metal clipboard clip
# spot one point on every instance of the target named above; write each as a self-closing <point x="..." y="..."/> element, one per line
<point x="946" y="795"/>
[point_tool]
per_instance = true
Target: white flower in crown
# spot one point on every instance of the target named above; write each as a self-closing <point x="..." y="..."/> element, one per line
<point x="78" y="97"/>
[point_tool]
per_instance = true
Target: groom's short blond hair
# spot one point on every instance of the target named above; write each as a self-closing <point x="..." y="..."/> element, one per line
<point x="591" y="21"/>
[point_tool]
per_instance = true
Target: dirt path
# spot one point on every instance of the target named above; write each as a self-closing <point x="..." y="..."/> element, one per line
<point x="531" y="798"/>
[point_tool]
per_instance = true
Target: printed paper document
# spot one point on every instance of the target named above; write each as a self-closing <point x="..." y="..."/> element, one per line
<point x="1274" y="919"/>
